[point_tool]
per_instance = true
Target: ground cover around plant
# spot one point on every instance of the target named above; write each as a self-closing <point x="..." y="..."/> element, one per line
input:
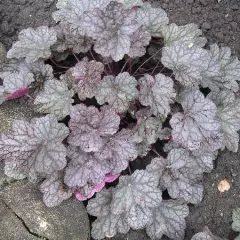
<point x="221" y="24"/>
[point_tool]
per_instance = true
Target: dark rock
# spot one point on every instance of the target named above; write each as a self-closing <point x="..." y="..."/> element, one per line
<point x="21" y="2"/>
<point x="11" y="227"/>
<point x="235" y="7"/>
<point x="196" y="10"/>
<point x="3" y="177"/>
<point x="234" y="25"/>
<point x="5" y="27"/>
<point x="67" y="221"/>
<point x="229" y="18"/>
<point x="206" y="25"/>
<point x="2" y="53"/>
<point x="204" y="2"/>
<point x="237" y="18"/>
<point x="219" y="36"/>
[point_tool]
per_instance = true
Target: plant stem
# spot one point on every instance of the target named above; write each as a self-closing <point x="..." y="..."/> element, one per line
<point x="162" y="69"/>
<point x="125" y="65"/>
<point x="147" y="60"/>
<point x="75" y="56"/>
<point x="155" y="151"/>
<point x="129" y="170"/>
<point x="58" y="64"/>
<point x="58" y="72"/>
<point x="130" y="66"/>
<point x="110" y="68"/>
<point x="92" y="55"/>
<point x="155" y="67"/>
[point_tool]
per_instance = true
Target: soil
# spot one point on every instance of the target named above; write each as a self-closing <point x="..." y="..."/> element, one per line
<point x="220" y="23"/>
<point x="215" y="210"/>
<point x="16" y="15"/>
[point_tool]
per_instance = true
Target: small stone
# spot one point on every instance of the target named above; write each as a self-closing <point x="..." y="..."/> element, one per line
<point x="204" y="2"/>
<point x="219" y="35"/>
<point x="223" y="186"/>
<point x="165" y="6"/>
<point x="229" y="18"/>
<point x="20" y="2"/>
<point x="3" y="53"/>
<point x="196" y="10"/>
<point x="206" y="25"/>
<point x="234" y="25"/>
<point x="4" y="27"/>
<point x="237" y="18"/>
<point x="235" y="7"/>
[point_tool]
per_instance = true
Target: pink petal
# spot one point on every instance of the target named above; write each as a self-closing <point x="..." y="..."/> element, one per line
<point x="80" y="197"/>
<point x="17" y="94"/>
<point x="110" y="178"/>
<point x="97" y="188"/>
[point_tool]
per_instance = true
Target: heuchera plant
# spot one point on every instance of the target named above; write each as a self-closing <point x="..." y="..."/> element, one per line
<point x="135" y="80"/>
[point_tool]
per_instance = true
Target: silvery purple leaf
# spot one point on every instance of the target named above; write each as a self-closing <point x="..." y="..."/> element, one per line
<point x="228" y="113"/>
<point x="54" y="191"/>
<point x="35" y="148"/>
<point x="118" y="150"/>
<point x="71" y="11"/>
<point x="107" y="223"/>
<point x="16" y="81"/>
<point x="223" y="70"/>
<point x="55" y="98"/>
<point x="33" y="44"/>
<point x="206" y="234"/>
<point x="139" y="40"/>
<point x="84" y="168"/>
<point x="190" y="34"/>
<point x="157" y="92"/>
<point x="89" y="190"/>
<point x="89" y="126"/>
<point x="236" y="221"/>
<point x="131" y="3"/>
<point x="134" y="196"/>
<point x="69" y="39"/>
<point x="117" y="91"/>
<point x="169" y="220"/>
<point x="87" y="76"/>
<point x="112" y="29"/>
<point x="154" y="19"/>
<point x="179" y="174"/>
<point x="186" y="63"/>
<point x="147" y="127"/>
<point x="197" y="123"/>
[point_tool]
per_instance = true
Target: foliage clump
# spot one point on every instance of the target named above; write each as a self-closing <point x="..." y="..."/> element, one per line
<point x="133" y="82"/>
